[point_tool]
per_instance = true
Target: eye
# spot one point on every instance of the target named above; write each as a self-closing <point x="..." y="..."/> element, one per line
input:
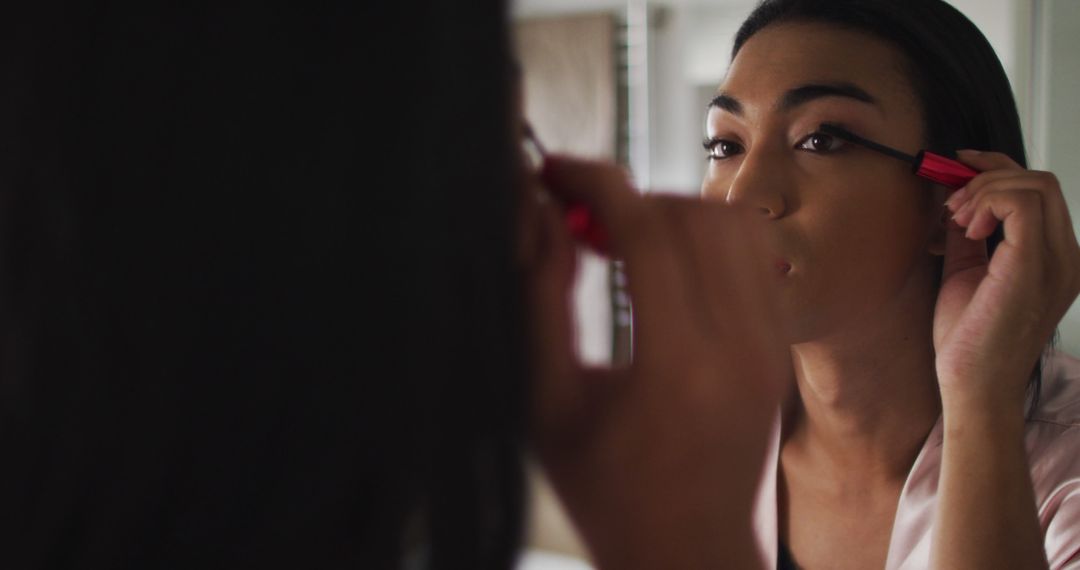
<point x="820" y="142"/>
<point x="721" y="149"/>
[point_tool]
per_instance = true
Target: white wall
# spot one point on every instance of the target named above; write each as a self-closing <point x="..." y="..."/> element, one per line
<point x="996" y="19"/>
<point x="1057" y="103"/>
<point x="691" y="51"/>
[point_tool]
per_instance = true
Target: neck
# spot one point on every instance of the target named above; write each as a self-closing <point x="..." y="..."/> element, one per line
<point x="868" y="396"/>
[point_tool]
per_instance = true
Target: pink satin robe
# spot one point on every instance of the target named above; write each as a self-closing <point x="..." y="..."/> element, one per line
<point x="1053" y="447"/>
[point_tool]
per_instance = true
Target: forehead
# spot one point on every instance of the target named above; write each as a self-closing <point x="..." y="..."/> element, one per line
<point x="782" y="56"/>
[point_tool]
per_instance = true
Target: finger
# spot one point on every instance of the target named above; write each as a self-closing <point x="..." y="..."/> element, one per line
<point x="963" y="254"/>
<point x="1054" y="223"/>
<point x="665" y="286"/>
<point x="962" y="196"/>
<point x="1039" y="239"/>
<point x="1056" y="212"/>
<point x="603" y="187"/>
<point x="638" y="234"/>
<point x="984" y="161"/>
<point x="990" y="164"/>
<point x="734" y="287"/>
<point x="556" y="373"/>
<point x="750" y="319"/>
<point x="686" y="311"/>
<point x="703" y="243"/>
<point x="1020" y="212"/>
<point x="730" y="257"/>
<point x="965" y="267"/>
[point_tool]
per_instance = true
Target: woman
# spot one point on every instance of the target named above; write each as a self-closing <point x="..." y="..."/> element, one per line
<point x="905" y="444"/>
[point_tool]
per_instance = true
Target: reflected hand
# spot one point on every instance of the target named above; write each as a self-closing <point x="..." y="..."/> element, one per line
<point x="658" y="463"/>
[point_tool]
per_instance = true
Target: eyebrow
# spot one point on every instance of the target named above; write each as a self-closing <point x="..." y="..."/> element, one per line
<point x="799" y="96"/>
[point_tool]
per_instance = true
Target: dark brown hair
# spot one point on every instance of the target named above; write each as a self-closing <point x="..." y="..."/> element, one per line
<point x="258" y="304"/>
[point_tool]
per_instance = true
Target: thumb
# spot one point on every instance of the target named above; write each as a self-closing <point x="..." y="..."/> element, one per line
<point x="964" y="268"/>
<point x="961" y="253"/>
<point x="560" y="386"/>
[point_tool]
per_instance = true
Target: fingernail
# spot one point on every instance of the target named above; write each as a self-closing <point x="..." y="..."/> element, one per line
<point x="963" y="209"/>
<point x="956" y="198"/>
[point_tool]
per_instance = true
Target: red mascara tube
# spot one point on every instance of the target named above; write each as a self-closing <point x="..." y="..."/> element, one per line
<point x="586" y="228"/>
<point x="580" y="221"/>
<point x="929" y="165"/>
<point x="944" y="171"/>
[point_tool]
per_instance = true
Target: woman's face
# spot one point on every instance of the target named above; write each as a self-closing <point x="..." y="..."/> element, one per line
<point x="854" y="230"/>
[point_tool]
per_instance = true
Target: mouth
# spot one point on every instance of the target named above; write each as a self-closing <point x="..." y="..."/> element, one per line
<point x="783" y="267"/>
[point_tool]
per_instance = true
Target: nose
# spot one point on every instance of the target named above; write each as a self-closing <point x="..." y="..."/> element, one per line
<point x="758" y="183"/>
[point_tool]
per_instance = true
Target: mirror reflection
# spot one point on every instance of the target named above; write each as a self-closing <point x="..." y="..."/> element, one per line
<point x="653" y="86"/>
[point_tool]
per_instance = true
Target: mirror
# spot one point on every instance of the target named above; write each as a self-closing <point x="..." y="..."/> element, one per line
<point x="630" y="81"/>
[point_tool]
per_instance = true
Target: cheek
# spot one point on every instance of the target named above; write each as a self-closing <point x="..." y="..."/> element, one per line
<point x="842" y="286"/>
<point x="864" y="248"/>
<point x="881" y="203"/>
<point x="717" y="180"/>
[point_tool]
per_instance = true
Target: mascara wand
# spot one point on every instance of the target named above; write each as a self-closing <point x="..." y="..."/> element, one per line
<point x="926" y="164"/>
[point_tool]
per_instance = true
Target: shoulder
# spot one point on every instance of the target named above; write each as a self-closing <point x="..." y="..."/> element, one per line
<point x="1053" y="427"/>
<point x="1052" y="434"/>
<point x="1059" y="396"/>
<point x="1053" y="446"/>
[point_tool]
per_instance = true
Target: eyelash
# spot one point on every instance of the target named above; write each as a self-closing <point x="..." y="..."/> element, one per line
<point x="710" y="144"/>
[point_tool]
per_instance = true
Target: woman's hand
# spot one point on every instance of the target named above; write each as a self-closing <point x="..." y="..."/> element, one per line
<point x="994" y="316"/>
<point x="658" y="463"/>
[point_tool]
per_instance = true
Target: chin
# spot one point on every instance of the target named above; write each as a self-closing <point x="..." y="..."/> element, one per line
<point x="803" y="318"/>
<point x="800" y="332"/>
